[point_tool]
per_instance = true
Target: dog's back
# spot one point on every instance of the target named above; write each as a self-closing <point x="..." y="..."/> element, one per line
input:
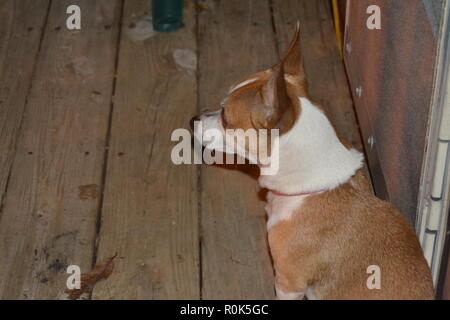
<point x="335" y="238"/>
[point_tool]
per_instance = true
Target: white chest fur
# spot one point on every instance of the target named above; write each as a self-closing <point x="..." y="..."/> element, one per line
<point x="311" y="156"/>
<point x="281" y="208"/>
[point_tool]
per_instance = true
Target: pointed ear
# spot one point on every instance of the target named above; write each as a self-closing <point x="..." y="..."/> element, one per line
<point x="292" y="58"/>
<point x="275" y="97"/>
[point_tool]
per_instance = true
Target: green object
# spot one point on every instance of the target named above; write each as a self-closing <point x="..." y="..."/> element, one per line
<point x="167" y="15"/>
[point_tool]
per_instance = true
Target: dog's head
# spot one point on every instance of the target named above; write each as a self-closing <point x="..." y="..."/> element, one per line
<point x="263" y="101"/>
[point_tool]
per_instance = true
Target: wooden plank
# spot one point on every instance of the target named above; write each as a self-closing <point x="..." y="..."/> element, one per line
<point x="21" y="26"/>
<point x="342" y="14"/>
<point x="235" y="40"/>
<point x="50" y="209"/>
<point x="323" y="66"/>
<point x="150" y="205"/>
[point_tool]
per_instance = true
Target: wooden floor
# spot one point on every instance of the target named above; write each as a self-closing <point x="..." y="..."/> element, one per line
<point x="85" y="124"/>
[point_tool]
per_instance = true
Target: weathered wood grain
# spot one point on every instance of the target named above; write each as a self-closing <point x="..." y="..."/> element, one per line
<point x="151" y="209"/>
<point x="51" y="204"/>
<point x="235" y="40"/>
<point x="21" y="27"/>
<point x="150" y="205"/>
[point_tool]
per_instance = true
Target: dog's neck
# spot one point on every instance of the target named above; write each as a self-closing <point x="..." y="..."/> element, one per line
<point x="311" y="156"/>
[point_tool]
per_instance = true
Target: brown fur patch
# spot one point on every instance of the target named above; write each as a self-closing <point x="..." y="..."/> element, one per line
<point x="330" y="241"/>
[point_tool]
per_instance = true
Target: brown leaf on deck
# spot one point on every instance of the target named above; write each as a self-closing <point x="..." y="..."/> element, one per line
<point x="101" y="271"/>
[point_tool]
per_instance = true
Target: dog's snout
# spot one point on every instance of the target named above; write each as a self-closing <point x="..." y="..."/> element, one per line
<point x="191" y="122"/>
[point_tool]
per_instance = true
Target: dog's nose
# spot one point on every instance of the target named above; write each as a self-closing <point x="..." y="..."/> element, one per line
<point x="196" y="118"/>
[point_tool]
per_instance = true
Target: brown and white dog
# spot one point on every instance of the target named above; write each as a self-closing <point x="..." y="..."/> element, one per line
<point x="325" y="227"/>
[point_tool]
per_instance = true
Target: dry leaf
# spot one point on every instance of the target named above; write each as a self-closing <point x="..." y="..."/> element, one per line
<point x="101" y="271"/>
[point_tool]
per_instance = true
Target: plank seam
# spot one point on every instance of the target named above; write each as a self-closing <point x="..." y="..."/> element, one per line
<point x="274" y="27"/>
<point x="107" y="139"/>
<point x="199" y="169"/>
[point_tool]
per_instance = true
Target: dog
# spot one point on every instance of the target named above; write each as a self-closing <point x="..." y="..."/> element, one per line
<point x="329" y="236"/>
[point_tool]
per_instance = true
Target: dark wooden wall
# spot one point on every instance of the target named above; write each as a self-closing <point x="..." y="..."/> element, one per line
<point x="391" y="74"/>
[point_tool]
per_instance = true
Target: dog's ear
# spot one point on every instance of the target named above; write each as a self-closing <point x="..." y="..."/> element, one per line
<point x="292" y="59"/>
<point x="274" y="91"/>
<point x="276" y="100"/>
<point x="278" y="111"/>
